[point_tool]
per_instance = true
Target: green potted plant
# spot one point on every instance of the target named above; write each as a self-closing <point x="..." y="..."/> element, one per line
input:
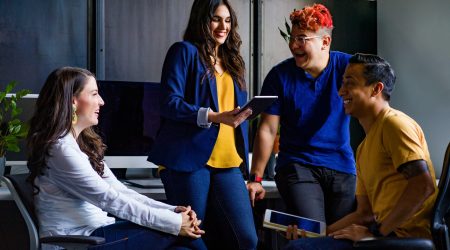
<point x="12" y="129"/>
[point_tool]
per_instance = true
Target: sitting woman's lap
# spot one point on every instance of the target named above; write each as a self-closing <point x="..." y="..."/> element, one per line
<point x="127" y="235"/>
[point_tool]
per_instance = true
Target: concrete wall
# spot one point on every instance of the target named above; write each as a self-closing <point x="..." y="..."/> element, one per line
<point x="414" y="36"/>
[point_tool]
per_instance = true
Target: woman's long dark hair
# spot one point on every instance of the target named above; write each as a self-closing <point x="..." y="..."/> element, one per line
<point x="52" y="119"/>
<point x="198" y="32"/>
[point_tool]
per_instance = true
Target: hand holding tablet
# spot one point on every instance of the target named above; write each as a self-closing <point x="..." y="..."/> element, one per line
<point x="258" y="104"/>
<point x="280" y="221"/>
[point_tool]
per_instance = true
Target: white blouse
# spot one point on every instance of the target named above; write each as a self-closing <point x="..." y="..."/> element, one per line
<point x="74" y="199"/>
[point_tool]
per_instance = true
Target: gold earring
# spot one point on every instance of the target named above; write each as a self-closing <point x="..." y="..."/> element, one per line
<point x="74" y="114"/>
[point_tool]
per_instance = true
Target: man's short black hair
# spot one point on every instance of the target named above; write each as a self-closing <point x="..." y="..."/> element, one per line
<point x="376" y="69"/>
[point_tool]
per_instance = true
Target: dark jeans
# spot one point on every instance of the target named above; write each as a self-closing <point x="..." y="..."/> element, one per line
<point x="127" y="235"/>
<point x="320" y="243"/>
<point x="220" y="199"/>
<point x="316" y="192"/>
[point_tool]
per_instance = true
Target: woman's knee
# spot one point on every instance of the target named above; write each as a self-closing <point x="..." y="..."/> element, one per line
<point x="248" y="241"/>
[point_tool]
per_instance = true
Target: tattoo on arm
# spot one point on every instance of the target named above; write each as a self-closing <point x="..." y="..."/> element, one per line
<point x="413" y="168"/>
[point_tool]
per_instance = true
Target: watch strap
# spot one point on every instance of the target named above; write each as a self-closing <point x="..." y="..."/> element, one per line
<point x="255" y="178"/>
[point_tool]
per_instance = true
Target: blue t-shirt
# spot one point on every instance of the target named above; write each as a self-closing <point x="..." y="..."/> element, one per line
<point x="314" y="128"/>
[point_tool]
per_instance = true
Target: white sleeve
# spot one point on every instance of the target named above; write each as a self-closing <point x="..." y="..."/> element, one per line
<point x="120" y="187"/>
<point x="70" y="169"/>
<point x="202" y="118"/>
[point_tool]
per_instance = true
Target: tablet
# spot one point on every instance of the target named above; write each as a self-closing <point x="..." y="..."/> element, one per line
<point x="258" y="104"/>
<point x="145" y="183"/>
<point x="279" y="221"/>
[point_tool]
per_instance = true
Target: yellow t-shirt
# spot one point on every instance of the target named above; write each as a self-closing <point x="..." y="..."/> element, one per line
<point x="224" y="154"/>
<point x="392" y="140"/>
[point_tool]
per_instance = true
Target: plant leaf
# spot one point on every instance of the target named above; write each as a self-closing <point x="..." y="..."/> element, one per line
<point x="21" y="93"/>
<point x="11" y="128"/>
<point x="2" y="96"/>
<point x="284" y="35"/>
<point x="12" y="147"/>
<point x="10" y="86"/>
<point x="16" y="129"/>
<point x="288" y="28"/>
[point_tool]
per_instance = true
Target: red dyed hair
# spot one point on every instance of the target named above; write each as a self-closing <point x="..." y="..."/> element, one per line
<point x="312" y="18"/>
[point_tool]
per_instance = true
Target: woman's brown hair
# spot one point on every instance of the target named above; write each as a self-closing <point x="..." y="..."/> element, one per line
<point x="198" y="32"/>
<point x="52" y="119"/>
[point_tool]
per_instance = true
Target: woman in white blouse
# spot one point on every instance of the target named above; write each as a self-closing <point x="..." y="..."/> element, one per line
<point x="74" y="188"/>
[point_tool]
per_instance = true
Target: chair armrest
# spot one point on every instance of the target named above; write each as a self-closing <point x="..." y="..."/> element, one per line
<point x="395" y="243"/>
<point x="75" y="239"/>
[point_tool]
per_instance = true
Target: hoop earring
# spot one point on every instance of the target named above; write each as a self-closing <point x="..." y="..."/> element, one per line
<point x="74" y="114"/>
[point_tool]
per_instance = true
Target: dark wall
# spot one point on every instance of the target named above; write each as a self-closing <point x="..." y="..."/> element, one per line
<point x="355" y="31"/>
<point x="355" y="23"/>
<point x="137" y="35"/>
<point x="39" y="36"/>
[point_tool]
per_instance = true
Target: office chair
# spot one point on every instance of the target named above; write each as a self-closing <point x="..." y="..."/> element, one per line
<point x="22" y="193"/>
<point x="439" y="222"/>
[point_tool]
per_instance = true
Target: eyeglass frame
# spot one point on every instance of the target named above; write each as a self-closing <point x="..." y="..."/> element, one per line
<point x="301" y="39"/>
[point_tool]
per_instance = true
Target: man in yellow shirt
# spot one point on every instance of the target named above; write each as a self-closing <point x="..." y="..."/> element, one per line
<point x="396" y="184"/>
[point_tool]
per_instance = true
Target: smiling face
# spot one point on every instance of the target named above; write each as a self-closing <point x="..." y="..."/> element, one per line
<point x="356" y="94"/>
<point x="313" y="54"/>
<point x="88" y="103"/>
<point x="220" y="25"/>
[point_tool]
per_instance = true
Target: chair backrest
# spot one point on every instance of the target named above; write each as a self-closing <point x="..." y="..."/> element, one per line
<point x="22" y="193"/>
<point x="440" y="222"/>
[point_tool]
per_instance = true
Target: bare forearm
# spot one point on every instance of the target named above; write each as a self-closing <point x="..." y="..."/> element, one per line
<point x="353" y="218"/>
<point x="213" y="117"/>
<point x="262" y="149"/>
<point x="416" y="192"/>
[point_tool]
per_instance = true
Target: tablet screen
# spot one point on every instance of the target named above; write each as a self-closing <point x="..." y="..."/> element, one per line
<point x="302" y="223"/>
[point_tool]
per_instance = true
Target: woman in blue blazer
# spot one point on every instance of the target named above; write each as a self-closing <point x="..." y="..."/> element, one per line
<point x="202" y="144"/>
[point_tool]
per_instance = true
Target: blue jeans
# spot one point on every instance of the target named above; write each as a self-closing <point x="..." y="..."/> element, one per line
<point x="320" y="243"/>
<point x="316" y="192"/>
<point x="220" y="199"/>
<point x="127" y="235"/>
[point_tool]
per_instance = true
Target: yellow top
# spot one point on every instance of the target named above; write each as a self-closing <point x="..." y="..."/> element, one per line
<point x="224" y="154"/>
<point x="394" y="139"/>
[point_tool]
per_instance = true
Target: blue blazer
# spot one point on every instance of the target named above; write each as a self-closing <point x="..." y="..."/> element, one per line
<point x="181" y="144"/>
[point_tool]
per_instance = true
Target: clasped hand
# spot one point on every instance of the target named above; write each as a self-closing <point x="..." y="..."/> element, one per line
<point x="190" y="224"/>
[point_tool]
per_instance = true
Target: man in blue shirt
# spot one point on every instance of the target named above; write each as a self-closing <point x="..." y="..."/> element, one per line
<point x="315" y="172"/>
